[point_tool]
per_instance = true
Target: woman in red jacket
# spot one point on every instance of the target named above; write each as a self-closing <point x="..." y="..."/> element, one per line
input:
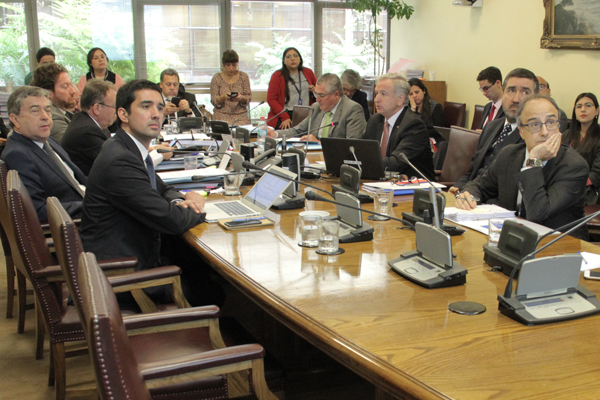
<point x="292" y="85"/>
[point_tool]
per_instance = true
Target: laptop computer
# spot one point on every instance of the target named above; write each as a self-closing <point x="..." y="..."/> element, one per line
<point x="337" y="150"/>
<point x="256" y="202"/>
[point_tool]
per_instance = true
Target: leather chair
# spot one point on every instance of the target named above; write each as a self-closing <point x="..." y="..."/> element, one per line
<point x="454" y="113"/>
<point x="60" y="319"/>
<point x="461" y="147"/>
<point x="477" y="117"/>
<point x="14" y="267"/>
<point x="69" y="248"/>
<point x="300" y="113"/>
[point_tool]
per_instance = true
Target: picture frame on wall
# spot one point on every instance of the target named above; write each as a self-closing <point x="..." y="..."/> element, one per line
<point x="571" y="24"/>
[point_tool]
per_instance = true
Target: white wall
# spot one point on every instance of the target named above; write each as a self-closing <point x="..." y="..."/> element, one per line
<point x="458" y="42"/>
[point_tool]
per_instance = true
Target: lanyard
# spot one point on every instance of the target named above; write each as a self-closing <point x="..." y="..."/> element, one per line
<point x="299" y="89"/>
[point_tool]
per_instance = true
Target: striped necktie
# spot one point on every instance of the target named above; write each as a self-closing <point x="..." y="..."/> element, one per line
<point x="385" y="138"/>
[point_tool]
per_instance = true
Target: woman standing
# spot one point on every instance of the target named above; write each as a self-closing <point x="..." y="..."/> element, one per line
<point x="584" y="136"/>
<point x="98" y="63"/>
<point x="230" y="91"/>
<point x="292" y="85"/>
<point x="430" y="111"/>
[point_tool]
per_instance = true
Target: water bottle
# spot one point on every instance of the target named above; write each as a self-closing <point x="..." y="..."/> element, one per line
<point x="261" y="133"/>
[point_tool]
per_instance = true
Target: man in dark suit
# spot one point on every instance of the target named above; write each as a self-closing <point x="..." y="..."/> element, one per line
<point x="540" y="179"/>
<point x="331" y="107"/>
<point x="43" y="166"/>
<point x="546" y="91"/>
<point x="519" y="84"/>
<point x="88" y="129"/>
<point x="398" y="129"/>
<point x="169" y="85"/>
<point x="490" y="84"/>
<point x="128" y="210"/>
<point x="63" y="95"/>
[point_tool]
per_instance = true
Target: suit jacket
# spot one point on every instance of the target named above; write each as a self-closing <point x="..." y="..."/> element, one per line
<point x="41" y="176"/>
<point x="60" y="122"/>
<point x="276" y="95"/>
<point x="361" y="98"/>
<point x="123" y="216"/>
<point x="489" y="135"/>
<point x="349" y="115"/>
<point x="83" y="140"/>
<point x="486" y="113"/>
<point x="552" y="195"/>
<point x="191" y="99"/>
<point x="409" y="136"/>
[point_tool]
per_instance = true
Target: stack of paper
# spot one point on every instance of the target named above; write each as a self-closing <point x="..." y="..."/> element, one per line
<point x="399" y="190"/>
<point x="186" y="175"/>
<point x="481" y="212"/>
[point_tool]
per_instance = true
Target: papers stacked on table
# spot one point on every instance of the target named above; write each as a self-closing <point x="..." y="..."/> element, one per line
<point x="481" y="212"/>
<point x="399" y="190"/>
<point x="186" y="175"/>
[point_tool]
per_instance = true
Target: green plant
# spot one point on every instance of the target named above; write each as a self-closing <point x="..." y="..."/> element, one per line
<point x="394" y="8"/>
<point x="14" y="63"/>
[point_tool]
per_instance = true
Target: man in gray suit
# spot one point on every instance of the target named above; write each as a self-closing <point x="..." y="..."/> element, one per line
<point x="332" y="107"/>
<point x="63" y="95"/>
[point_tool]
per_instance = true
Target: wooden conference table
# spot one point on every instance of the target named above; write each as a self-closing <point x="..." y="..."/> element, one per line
<point x="397" y="335"/>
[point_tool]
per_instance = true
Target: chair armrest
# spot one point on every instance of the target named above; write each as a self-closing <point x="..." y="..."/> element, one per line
<point x="182" y="315"/>
<point x="201" y="361"/>
<point x="118" y="263"/>
<point x="52" y="271"/>
<point x="144" y="276"/>
<point x="50" y="242"/>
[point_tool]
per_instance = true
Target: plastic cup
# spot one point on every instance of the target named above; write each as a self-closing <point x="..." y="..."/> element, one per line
<point x="190" y="161"/>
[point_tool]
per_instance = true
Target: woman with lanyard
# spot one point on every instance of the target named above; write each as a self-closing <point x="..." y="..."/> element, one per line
<point x="98" y="63"/>
<point x="292" y="85"/>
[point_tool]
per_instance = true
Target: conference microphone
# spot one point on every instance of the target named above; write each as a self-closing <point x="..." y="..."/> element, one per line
<point x="245" y="114"/>
<point x="316" y="197"/>
<point x="200" y="178"/>
<point x="249" y="165"/>
<point x="438" y="217"/>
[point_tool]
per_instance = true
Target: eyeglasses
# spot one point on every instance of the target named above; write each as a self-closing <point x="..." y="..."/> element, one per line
<point x="542" y="86"/>
<point x="535" y="127"/>
<point x="323" y="95"/>
<point x="485" y="88"/>
<point x="404" y="180"/>
<point x="290" y="56"/>
<point x="106" y="105"/>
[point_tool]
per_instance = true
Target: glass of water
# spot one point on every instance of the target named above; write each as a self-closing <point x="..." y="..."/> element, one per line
<point x="383" y="200"/>
<point x="329" y="242"/>
<point x="310" y="230"/>
<point x="495" y="228"/>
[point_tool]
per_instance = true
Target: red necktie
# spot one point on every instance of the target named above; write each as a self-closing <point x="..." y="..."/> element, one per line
<point x="491" y="116"/>
<point x="385" y="138"/>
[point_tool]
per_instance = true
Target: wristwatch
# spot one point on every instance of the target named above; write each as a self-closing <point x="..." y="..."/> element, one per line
<point x="533" y="162"/>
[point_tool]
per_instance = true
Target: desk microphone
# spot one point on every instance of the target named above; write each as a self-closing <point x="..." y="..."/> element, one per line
<point x="249" y="165"/>
<point x="245" y="114"/>
<point x="315" y="197"/>
<point x="201" y="178"/>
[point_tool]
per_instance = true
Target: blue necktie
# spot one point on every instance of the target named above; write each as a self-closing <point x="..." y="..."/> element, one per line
<point x="151" y="173"/>
<point x="503" y="135"/>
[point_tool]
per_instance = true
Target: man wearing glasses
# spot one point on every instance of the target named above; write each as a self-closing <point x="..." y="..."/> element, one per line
<point x="545" y="90"/>
<point x="490" y="84"/>
<point x="540" y="179"/>
<point x="88" y="129"/>
<point x="519" y="84"/>
<point x="332" y="108"/>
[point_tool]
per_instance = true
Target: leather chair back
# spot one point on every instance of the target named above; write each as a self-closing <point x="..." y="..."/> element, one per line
<point x="34" y="251"/>
<point x="300" y="113"/>
<point x="115" y="367"/>
<point x="454" y="113"/>
<point x="461" y="147"/>
<point x="477" y="117"/>
<point x="9" y="243"/>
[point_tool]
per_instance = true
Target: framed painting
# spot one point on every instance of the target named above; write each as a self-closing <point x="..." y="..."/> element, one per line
<point x="571" y="24"/>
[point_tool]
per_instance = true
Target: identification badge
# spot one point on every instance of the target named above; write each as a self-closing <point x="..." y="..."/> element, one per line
<point x="299" y="102"/>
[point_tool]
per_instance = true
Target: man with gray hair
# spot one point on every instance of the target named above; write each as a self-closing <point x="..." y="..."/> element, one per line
<point x="169" y="85"/>
<point x="335" y="114"/>
<point x="88" y="129"/>
<point x="539" y="178"/>
<point x="398" y="129"/>
<point x="43" y="166"/>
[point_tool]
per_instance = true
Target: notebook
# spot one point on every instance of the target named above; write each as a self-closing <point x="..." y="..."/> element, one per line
<point x="256" y="202"/>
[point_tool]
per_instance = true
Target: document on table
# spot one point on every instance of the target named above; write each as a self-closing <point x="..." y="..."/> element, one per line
<point x="590" y="261"/>
<point x="482" y="225"/>
<point x="186" y="175"/>
<point x="399" y="190"/>
<point x="481" y="212"/>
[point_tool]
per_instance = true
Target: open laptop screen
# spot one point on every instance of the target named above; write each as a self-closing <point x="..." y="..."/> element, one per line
<point x="266" y="190"/>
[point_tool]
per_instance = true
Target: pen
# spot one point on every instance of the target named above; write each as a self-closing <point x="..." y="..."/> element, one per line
<point x="248" y="219"/>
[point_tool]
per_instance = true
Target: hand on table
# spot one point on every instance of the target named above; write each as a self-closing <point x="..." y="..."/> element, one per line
<point x="194" y="201"/>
